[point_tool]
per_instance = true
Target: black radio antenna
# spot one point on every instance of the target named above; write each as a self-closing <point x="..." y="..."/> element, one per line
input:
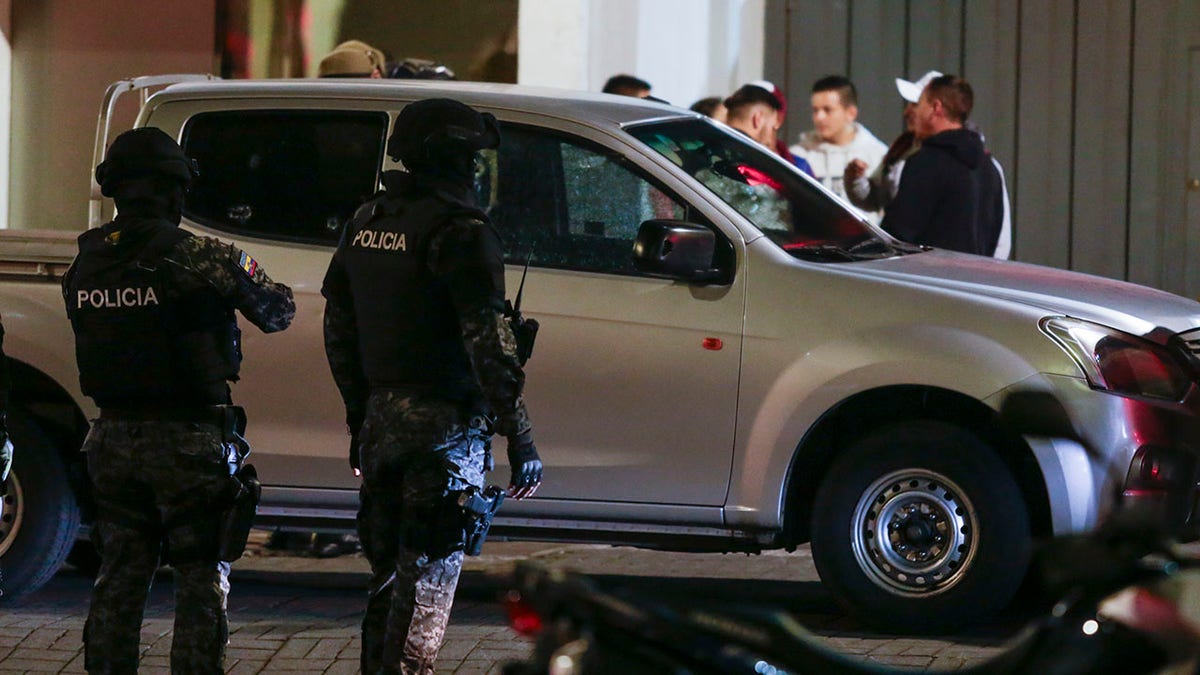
<point x="521" y="287"/>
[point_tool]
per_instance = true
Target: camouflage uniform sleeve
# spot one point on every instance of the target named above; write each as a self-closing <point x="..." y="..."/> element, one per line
<point x="466" y="255"/>
<point x="341" y="343"/>
<point x="237" y="277"/>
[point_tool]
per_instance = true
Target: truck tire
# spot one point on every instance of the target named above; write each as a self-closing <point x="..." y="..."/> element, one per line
<point x="919" y="528"/>
<point x="40" y="518"/>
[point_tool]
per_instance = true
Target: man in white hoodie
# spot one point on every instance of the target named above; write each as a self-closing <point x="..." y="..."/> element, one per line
<point x="837" y="138"/>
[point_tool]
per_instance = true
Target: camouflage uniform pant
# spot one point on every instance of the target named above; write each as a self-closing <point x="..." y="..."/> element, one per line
<point x="156" y="481"/>
<point x="415" y="452"/>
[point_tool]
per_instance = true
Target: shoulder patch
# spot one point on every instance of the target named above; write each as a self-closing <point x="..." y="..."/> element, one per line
<point x="248" y="264"/>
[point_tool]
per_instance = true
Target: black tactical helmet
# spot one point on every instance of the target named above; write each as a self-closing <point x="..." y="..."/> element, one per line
<point x="142" y="152"/>
<point x="418" y="69"/>
<point x="436" y="126"/>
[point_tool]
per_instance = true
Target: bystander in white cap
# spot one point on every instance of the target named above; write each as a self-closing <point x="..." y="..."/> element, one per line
<point x="911" y="91"/>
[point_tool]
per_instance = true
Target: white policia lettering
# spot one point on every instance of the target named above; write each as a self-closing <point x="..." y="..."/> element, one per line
<point x="116" y="297"/>
<point x="388" y="241"/>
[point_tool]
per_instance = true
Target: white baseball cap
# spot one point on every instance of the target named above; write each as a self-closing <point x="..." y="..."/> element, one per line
<point x="911" y="91"/>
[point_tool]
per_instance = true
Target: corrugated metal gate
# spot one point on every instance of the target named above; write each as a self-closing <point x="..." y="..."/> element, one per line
<point x="1092" y="106"/>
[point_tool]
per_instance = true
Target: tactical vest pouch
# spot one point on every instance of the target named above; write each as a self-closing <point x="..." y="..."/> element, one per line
<point x="239" y="516"/>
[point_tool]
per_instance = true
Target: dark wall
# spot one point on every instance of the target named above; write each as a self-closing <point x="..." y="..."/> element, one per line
<point x="469" y="36"/>
<point x="1084" y="102"/>
<point x="64" y="55"/>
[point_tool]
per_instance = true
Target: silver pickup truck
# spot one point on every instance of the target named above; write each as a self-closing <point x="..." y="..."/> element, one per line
<point x="729" y="359"/>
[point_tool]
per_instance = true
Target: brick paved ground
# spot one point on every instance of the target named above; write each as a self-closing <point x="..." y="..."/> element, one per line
<point x="298" y="614"/>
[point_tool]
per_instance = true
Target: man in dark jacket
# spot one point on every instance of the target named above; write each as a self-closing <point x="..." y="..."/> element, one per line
<point x="423" y="355"/>
<point x="950" y="193"/>
<point x="157" y="342"/>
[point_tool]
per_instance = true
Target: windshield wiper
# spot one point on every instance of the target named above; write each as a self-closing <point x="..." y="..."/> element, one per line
<point x="906" y="248"/>
<point x="821" y="251"/>
<point x="873" y="248"/>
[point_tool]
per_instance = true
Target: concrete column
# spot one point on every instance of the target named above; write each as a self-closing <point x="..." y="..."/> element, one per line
<point x="686" y="49"/>
<point x="750" y="38"/>
<point x="673" y="48"/>
<point x="554" y="46"/>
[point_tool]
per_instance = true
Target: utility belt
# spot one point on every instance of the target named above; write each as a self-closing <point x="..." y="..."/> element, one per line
<point x="230" y="419"/>
<point x="405" y="390"/>
<point x="468" y="398"/>
<point x="474" y="410"/>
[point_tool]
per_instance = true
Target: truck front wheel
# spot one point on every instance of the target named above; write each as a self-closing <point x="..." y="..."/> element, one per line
<point x="38" y="516"/>
<point x="920" y="527"/>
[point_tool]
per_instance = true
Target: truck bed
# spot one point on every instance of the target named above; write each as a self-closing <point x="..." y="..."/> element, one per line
<point x="36" y="254"/>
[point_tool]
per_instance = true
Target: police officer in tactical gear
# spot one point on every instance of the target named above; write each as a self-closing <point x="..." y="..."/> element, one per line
<point x="426" y="364"/>
<point x="157" y="342"/>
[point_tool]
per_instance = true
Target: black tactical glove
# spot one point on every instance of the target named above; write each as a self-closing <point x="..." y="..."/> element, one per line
<point x="526" y="466"/>
<point x="6" y="457"/>
<point x="6" y="450"/>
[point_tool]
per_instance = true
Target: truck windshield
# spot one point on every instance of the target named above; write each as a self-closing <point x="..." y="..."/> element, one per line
<point x="795" y="214"/>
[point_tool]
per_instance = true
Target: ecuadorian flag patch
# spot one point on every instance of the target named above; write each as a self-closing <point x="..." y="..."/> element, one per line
<point x="248" y="264"/>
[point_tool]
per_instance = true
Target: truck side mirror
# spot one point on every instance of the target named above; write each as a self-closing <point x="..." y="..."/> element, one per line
<point x="677" y="249"/>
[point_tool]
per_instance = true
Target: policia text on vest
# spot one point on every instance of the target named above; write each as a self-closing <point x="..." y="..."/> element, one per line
<point x="386" y="241"/>
<point x="116" y="297"/>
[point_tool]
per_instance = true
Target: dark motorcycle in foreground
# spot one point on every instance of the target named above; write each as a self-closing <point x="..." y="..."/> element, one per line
<point x="1129" y="602"/>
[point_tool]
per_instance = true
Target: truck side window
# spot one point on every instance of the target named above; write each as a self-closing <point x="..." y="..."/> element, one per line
<point x="569" y="203"/>
<point x="293" y="175"/>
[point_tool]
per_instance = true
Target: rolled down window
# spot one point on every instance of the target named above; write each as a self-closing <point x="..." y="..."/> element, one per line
<point x="795" y="213"/>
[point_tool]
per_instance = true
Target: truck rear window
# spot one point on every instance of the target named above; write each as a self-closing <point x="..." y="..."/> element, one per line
<point x="294" y="175"/>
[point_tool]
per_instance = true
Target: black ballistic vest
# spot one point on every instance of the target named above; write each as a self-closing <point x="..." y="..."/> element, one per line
<point x="138" y="342"/>
<point x="409" y="336"/>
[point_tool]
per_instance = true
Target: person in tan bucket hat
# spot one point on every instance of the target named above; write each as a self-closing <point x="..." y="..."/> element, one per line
<point x="352" y="58"/>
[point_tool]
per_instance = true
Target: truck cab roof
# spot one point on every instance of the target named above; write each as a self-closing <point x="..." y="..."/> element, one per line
<point x="575" y="105"/>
